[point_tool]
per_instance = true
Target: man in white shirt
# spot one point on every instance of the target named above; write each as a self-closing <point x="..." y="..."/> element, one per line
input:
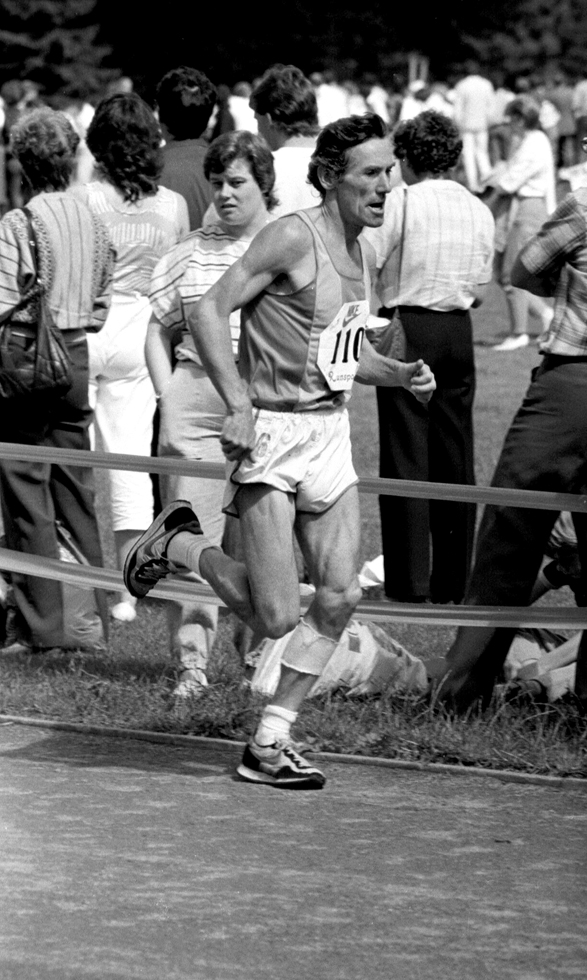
<point x="434" y="256"/>
<point x="474" y="105"/>
<point x="284" y="102"/>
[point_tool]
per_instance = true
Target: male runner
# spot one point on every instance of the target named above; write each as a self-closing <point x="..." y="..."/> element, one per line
<point x="304" y="289"/>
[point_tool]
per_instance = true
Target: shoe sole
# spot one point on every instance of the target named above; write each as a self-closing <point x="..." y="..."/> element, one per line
<point x="131" y="559"/>
<point x="308" y="782"/>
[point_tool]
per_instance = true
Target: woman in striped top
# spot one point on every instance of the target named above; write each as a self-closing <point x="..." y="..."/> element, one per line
<point x="75" y="261"/>
<point x="240" y="169"/>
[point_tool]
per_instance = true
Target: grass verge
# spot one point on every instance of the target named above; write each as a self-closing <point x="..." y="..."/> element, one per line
<point x="131" y="685"/>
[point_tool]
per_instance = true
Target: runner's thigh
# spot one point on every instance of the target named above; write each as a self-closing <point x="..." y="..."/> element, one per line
<point x="266" y="522"/>
<point x="330" y="542"/>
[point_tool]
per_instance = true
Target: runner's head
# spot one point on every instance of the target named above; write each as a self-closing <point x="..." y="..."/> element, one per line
<point x="351" y="164"/>
<point x="186" y="98"/>
<point x="240" y="168"/>
<point x="285" y="105"/>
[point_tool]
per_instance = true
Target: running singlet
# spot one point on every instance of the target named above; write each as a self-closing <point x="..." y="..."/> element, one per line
<point x="299" y="351"/>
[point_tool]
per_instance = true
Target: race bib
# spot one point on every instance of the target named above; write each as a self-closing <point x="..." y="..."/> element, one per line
<point x="339" y="347"/>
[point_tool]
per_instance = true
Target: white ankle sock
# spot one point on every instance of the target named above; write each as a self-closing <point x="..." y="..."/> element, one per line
<point x="185" y="548"/>
<point x="275" y="725"/>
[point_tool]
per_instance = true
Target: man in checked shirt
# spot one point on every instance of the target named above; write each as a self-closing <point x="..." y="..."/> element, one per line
<point x="545" y="449"/>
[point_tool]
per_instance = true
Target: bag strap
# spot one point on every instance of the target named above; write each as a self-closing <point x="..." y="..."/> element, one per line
<point x="37" y="287"/>
<point x="401" y="242"/>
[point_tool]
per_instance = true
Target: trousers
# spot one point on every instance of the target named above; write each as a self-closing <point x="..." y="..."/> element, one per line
<point x="545" y="449"/>
<point x="123" y="397"/>
<point x="427" y="545"/>
<point x="35" y="494"/>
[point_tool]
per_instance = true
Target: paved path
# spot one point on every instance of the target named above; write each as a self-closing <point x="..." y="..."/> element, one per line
<point x="123" y="859"/>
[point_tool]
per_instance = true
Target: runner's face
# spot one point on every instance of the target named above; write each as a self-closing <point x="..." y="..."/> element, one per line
<point x="237" y="195"/>
<point x="362" y="189"/>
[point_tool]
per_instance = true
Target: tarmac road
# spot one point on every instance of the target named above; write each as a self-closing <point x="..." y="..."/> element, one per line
<point x="124" y="859"/>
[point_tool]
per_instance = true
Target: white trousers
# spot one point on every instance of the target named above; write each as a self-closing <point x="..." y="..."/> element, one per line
<point x="123" y="399"/>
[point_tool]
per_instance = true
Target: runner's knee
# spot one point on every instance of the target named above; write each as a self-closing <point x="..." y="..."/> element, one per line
<point x="277" y="621"/>
<point x="335" y="606"/>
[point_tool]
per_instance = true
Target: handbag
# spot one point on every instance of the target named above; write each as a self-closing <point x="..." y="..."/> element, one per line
<point x="391" y="340"/>
<point x="33" y="357"/>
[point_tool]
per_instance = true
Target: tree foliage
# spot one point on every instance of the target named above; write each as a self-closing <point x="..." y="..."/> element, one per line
<point x="524" y="36"/>
<point x="55" y="43"/>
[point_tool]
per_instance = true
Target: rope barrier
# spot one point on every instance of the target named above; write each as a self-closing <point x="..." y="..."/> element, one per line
<point x="184" y="590"/>
<point x="537" y="499"/>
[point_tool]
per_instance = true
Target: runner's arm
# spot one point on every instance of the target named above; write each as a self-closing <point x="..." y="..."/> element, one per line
<point x="374" y="369"/>
<point x="278" y="249"/>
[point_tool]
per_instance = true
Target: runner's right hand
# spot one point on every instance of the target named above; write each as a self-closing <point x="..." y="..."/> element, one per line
<point x="238" y="434"/>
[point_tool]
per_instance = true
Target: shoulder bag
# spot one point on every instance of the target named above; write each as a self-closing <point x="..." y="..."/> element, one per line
<point x="33" y="356"/>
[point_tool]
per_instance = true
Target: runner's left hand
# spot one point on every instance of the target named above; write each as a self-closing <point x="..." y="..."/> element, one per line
<point x="419" y="379"/>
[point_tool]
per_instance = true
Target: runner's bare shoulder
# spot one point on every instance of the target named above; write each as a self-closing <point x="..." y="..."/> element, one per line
<point x="283" y="244"/>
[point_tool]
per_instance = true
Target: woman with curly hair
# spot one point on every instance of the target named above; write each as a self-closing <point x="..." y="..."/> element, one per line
<point x="434" y="254"/>
<point x="74" y="261"/>
<point x="144" y="221"/>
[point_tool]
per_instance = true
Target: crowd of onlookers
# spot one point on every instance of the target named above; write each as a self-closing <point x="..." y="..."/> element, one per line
<point x="475" y="100"/>
<point x="165" y="199"/>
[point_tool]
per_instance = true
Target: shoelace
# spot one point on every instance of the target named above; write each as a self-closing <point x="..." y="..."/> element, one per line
<point x="153" y="570"/>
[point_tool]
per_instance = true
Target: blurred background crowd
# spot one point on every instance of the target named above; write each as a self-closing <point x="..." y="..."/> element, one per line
<point x="474" y="97"/>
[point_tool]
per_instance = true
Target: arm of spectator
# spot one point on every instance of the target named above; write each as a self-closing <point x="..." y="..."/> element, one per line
<point x="183" y="218"/>
<point x="541" y="261"/>
<point x="159" y="354"/>
<point x="518" y="170"/>
<point x="480" y="294"/>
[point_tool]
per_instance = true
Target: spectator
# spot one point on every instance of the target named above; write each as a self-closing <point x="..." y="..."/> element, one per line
<point x="221" y="121"/>
<point x="331" y="98"/>
<point x="499" y="130"/>
<point x="522" y="197"/>
<point x="186" y="98"/>
<point x="240" y="169"/>
<point x="240" y="110"/>
<point x="580" y="112"/>
<point x="473" y="105"/>
<point x="561" y="95"/>
<point x="74" y="260"/>
<point x="285" y="107"/>
<point x="545" y="449"/>
<point x="434" y="253"/>
<point x="144" y="220"/>
<point x="414" y="101"/>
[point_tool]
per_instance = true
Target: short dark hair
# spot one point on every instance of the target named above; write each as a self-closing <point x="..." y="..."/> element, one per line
<point x="289" y="98"/>
<point x="125" y="138"/>
<point x="242" y="145"/>
<point x="525" y="108"/>
<point x="430" y="142"/>
<point x="186" y="98"/>
<point x="44" y="142"/>
<point x="336" y="139"/>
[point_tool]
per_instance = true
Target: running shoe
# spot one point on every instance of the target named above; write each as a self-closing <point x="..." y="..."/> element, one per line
<point x="279" y="765"/>
<point x="146" y="563"/>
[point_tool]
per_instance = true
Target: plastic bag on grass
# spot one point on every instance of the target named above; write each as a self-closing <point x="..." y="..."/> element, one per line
<point x="366" y="661"/>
